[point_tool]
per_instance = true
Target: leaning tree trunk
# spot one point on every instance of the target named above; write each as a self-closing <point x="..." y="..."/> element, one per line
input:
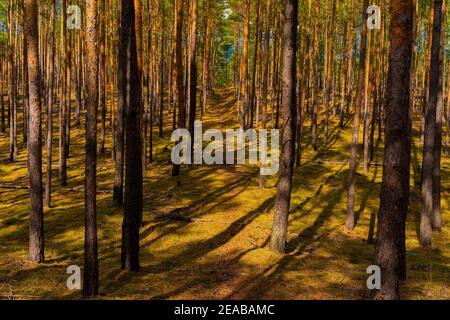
<point x="396" y="168"/>
<point x="35" y="134"/>
<point x="90" y="270"/>
<point x="284" y="188"/>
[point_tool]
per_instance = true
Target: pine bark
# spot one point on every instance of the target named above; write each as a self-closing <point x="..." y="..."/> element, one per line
<point x="178" y="64"/>
<point x="284" y="188"/>
<point x="51" y="84"/>
<point x="192" y="63"/>
<point x="90" y="270"/>
<point x="35" y="134"/>
<point x="430" y="165"/>
<point x="390" y="248"/>
<point x="350" y="219"/>
<point x="132" y="208"/>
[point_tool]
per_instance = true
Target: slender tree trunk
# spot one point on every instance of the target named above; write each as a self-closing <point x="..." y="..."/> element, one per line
<point x="345" y="68"/>
<point x="162" y="71"/>
<point x="2" y="101"/>
<point x="138" y="14"/>
<point x="102" y="74"/>
<point x="447" y="119"/>
<point x="265" y="80"/>
<point x="178" y="64"/>
<point x="26" y="96"/>
<point x="51" y="83"/>
<point x="68" y="99"/>
<point x="430" y="132"/>
<point x="315" y="77"/>
<point x="79" y="78"/>
<point x="255" y="62"/>
<point x="284" y="188"/>
<point x="90" y="270"/>
<point x="120" y="125"/>
<point x="243" y="98"/>
<point x="205" y="56"/>
<point x="35" y="134"/>
<point x="11" y="77"/>
<point x="367" y="107"/>
<point x="436" y="220"/>
<point x="62" y="102"/>
<point x="192" y="64"/>
<point x="350" y="219"/>
<point x="329" y="81"/>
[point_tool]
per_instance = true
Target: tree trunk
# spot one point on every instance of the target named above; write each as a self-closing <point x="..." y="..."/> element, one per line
<point x="178" y="63"/>
<point x="132" y="210"/>
<point x="2" y="101"/>
<point x="265" y="80"/>
<point x="396" y="169"/>
<point x="192" y="64"/>
<point x="35" y="134"/>
<point x="284" y="188"/>
<point x="51" y="83"/>
<point x="162" y="71"/>
<point x="255" y="62"/>
<point x="367" y="107"/>
<point x="315" y="77"/>
<point x="102" y="74"/>
<point x="243" y="96"/>
<point x="205" y="56"/>
<point x="90" y="270"/>
<point x="430" y="131"/>
<point x="350" y="219"/>
<point x="62" y="102"/>
<point x="120" y="124"/>
<point x="436" y="221"/>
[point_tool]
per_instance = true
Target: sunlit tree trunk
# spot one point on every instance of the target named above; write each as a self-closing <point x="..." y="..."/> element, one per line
<point x="395" y="186"/>
<point x="90" y="270"/>
<point x="284" y="188"/>
<point x="255" y="62"/>
<point x="35" y="134"/>
<point x="243" y="95"/>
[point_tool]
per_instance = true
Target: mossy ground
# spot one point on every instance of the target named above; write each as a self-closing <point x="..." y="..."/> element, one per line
<point x="221" y="252"/>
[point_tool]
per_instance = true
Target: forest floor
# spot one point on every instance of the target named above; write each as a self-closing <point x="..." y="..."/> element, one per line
<point x="219" y="249"/>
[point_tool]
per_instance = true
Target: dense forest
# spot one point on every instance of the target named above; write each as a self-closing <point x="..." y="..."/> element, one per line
<point x="92" y="91"/>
